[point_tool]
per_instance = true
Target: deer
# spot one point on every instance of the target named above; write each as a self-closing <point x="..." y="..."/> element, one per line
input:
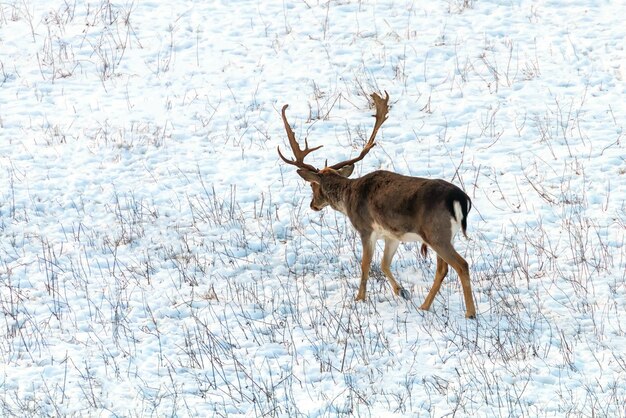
<point x="384" y="205"/>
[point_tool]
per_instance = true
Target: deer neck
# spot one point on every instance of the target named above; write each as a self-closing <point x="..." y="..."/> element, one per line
<point x="335" y="188"/>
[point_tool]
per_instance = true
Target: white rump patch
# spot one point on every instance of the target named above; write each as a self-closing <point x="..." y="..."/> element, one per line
<point x="455" y="222"/>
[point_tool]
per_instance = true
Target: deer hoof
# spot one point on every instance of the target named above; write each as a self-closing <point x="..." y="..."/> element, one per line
<point x="405" y="294"/>
<point x="470" y="316"/>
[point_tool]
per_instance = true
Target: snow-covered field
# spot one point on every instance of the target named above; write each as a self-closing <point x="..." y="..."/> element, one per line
<point x="158" y="259"/>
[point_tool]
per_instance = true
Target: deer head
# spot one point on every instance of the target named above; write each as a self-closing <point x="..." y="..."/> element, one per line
<point x="344" y="168"/>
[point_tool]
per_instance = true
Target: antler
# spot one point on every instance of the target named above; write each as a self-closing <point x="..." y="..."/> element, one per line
<point x="382" y="109"/>
<point x="297" y="152"/>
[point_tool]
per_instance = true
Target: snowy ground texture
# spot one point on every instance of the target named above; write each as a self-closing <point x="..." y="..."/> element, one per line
<point x="158" y="259"/>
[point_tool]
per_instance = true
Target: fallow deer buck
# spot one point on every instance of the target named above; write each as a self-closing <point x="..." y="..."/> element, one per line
<point x="393" y="207"/>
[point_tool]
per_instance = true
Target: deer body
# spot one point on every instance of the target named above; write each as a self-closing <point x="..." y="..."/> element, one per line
<point x="395" y="208"/>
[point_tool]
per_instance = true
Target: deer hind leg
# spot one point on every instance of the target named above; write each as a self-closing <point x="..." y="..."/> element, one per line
<point x="440" y="274"/>
<point x="366" y="261"/>
<point x="449" y="255"/>
<point x="391" y="245"/>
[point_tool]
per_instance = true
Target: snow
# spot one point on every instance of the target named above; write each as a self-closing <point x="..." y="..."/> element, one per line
<point x="158" y="258"/>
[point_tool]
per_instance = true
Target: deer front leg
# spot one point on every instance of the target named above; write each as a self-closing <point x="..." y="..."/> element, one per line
<point x="391" y="245"/>
<point x="366" y="261"/>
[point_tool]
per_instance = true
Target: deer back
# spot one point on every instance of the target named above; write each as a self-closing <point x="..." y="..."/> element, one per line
<point x="401" y="206"/>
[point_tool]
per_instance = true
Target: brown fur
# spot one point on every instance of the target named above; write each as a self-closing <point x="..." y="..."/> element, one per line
<point x="387" y="205"/>
<point x="390" y="206"/>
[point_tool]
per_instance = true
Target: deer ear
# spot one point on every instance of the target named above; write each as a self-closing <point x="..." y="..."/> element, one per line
<point x="310" y="176"/>
<point x="346" y="171"/>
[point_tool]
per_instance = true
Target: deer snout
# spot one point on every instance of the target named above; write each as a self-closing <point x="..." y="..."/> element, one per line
<point x="315" y="207"/>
